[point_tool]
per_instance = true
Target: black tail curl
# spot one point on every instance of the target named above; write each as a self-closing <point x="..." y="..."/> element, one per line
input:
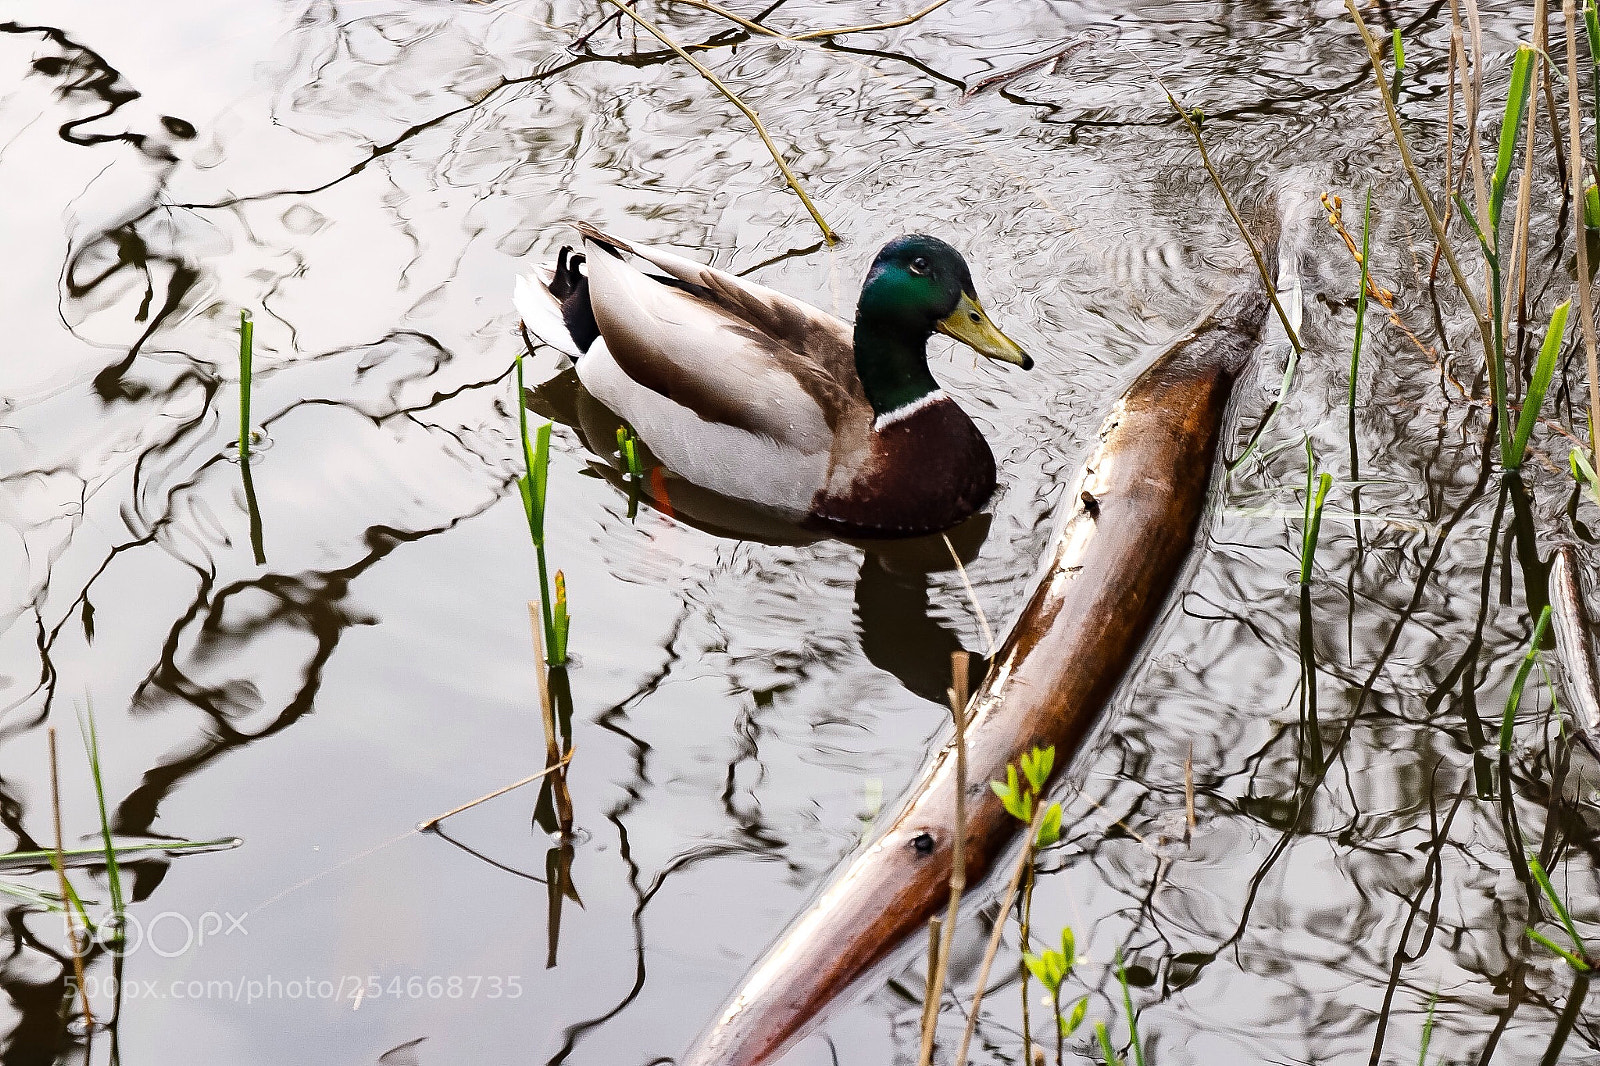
<point x="570" y="287"/>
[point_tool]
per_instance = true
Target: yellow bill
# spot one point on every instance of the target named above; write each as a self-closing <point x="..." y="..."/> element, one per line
<point x="969" y="325"/>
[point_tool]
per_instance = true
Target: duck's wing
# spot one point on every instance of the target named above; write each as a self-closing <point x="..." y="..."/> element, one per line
<point x="731" y="351"/>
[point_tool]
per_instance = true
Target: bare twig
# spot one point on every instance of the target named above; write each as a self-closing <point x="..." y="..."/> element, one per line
<point x="1579" y="229"/>
<point x="66" y="891"/>
<point x="958" y="854"/>
<point x="423" y="827"/>
<point x="1006" y="901"/>
<point x="895" y="24"/>
<point x="733" y="98"/>
<point x="1267" y="277"/>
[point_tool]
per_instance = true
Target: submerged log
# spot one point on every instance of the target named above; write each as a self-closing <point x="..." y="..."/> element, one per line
<point x="1128" y="526"/>
<point x="1569" y="614"/>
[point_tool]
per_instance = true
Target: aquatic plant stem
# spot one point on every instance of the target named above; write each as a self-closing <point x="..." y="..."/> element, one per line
<point x="552" y="744"/>
<point x="66" y="889"/>
<point x="1484" y="328"/>
<point x="749" y="113"/>
<point x="1579" y="231"/>
<point x="959" y="672"/>
<point x="246" y="372"/>
<point x="1023" y="861"/>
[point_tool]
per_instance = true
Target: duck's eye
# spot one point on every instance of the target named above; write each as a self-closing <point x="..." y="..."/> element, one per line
<point x="919" y="265"/>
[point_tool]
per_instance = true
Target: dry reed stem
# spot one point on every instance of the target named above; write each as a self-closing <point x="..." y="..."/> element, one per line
<point x="932" y="993"/>
<point x="61" y="874"/>
<point x="1452" y="179"/>
<point x="1188" y="788"/>
<point x="972" y="598"/>
<point x="423" y="827"/>
<point x="1580" y="236"/>
<point x="1484" y="328"/>
<point x="959" y="663"/>
<point x="749" y="113"/>
<point x="1473" y="86"/>
<point x="994" y="937"/>
<point x="552" y="744"/>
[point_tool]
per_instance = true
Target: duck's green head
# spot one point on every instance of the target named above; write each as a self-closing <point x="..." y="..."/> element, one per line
<point x="919" y="284"/>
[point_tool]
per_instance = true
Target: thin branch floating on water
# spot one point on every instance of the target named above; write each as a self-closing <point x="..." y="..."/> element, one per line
<point x="749" y="113"/>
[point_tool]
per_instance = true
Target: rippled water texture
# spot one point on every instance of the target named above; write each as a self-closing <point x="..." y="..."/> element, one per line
<point x="368" y="176"/>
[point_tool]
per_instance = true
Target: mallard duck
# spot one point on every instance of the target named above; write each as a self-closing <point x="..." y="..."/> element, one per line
<point x="764" y="398"/>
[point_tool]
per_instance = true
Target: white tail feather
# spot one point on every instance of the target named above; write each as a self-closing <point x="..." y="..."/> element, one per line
<point x="542" y="315"/>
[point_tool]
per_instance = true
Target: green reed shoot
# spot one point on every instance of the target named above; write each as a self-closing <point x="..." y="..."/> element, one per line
<point x="628" y="448"/>
<point x="1317" y="487"/>
<point x="1399" y="64"/>
<point x="1018" y="796"/>
<point x="1578" y="957"/>
<point x="1542" y="373"/>
<point x="33" y="897"/>
<point x="1106" y="1051"/>
<point x="247" y="334"/>
<point x="1052" y="969"/>
<point x="534" y="486"/>
<point x="1489" y="239"/>
<point x="1127" y="1005"/>
<point x="1584" y="474"/>
<point x="561" y="622"/>
<point x="91" y="743"/>
<point x="1521" y="679"/>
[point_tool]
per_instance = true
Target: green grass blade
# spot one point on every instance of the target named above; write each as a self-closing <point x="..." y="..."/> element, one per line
<point x="91" y="741"/>
<point x="14" y="859"/>
<point x="1311" y="529"/>
<point x="1542" y="372"/>
<point x="1510" y="124"/>
<point x="1106" y="1051"/>
<point x="1361" y="294"/>
<point x="1540" y="876"/>
<point x="1572" y="960"/>
<point x="1521" y="679"/>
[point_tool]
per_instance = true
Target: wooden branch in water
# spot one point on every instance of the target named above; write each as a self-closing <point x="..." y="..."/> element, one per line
<point x="1125" y="535"/>
<point x="1569" y="616"/>
<point x="749" y="113"/>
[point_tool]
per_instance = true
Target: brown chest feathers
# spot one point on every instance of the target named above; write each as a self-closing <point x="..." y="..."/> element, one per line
<point x="924" y="473"/>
